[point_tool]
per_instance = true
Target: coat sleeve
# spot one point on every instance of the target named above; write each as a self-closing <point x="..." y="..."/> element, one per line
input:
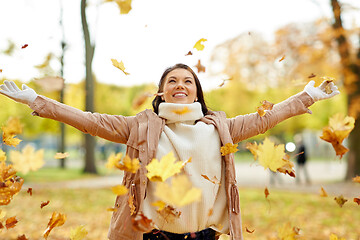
<point x="245" y="126"/>
<point x="114" y="128"/>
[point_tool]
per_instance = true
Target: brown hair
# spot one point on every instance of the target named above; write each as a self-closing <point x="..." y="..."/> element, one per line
<point x="200" y="96"/>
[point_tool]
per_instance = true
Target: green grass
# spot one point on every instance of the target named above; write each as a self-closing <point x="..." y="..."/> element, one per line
<point x="317" y="217"/>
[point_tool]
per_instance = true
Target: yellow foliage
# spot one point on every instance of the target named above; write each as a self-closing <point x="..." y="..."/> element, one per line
<point x="228" y="148"/>
<point x="119" y="190"/>
<point x="56" y="220"/>
<point x="199" y="46"/>
<point x="28" y="159"/>
<point x="78" y="233"/>
<point x="119" y="65"/>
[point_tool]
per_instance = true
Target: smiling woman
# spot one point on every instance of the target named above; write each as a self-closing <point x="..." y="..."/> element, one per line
<point x="195" y="133"/>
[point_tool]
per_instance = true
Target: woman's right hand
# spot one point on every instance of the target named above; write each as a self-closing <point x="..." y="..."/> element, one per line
<point x="25" y="95"/>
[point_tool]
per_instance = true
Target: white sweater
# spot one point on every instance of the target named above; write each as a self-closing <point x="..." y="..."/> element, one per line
<point x="187" y="138"/>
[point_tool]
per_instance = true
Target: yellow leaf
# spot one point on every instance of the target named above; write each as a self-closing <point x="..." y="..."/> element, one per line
<point x="160" y="204"/>
<point x="2" y="156"/>
<point x="124" y="5"/>
<point x="129" y="165"/>
<point x="340" y="200"/>
<point x="334" y="237"/>
<point x="13" y="126"/>
<point x="199" y="46"/>
<point x="169" y="213"/>
<point x="119" y="190"/>
<point x="119" y="65"/>
<point x="356" y="179"/>
<point x="163" y="169"/>
<point x="228" y="148"/>
<point x="113" y="160"/>
<point x="56" y="220"/>
<point x="78" y="233"/>
<point x="286" y="232"/>
<point x="265" y="105"/>
<point x="323" y="193"/>
<point x="180" y="193"/>
<point x="60" y="155"/>
<point x="28" y="159"/>
<point x="9" y="139"/>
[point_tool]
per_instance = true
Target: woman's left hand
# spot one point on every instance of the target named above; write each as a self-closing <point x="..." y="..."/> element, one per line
<point x="319" y="93"/>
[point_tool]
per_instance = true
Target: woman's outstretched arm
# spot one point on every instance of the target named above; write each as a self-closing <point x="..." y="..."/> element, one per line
<point x="114" y="128"/>
<point x="245" y="126"/>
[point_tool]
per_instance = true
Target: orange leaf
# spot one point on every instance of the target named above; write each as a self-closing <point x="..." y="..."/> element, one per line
<point x="200" y="67"/>
<point x="56" y="220"/>
<point x="267" y="193"/>
<point x="141" y="223"/>
<point x="340" y="200"/>
<point x="288" y="167"/>
<point x="228" y="149"/>
<point x="22" y="237"/>
<point x="356" y="179"/>
<point x="24" y="46"/>
<point x="9" y="183"/>
<point x="323" y="193"/>
<point x="283" y="57"/>
<point x="11" y="222"/>
<point x="43" y="204"/>
<point x="169" y="213"/>
<point x="189" y="53"/>
<point x="131" y="204"/>
<point x="265" y="105"/>
<point x="29" y="191"/>
<point x="214" y="181"/>
<point x="249" y="231"/>
<point x="357" y="200"/>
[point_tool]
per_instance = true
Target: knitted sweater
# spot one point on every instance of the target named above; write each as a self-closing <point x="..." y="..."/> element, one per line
<point x="187" y="138"/>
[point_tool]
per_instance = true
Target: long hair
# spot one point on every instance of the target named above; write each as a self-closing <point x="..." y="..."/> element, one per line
<point x="157" y="100"/>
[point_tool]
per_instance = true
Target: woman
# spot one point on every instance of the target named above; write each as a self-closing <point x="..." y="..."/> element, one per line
<point x="198" y="133"/>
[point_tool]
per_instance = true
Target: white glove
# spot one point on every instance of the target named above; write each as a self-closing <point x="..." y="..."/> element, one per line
<point x="318" y="93"/>
<point x="27" y="95"/>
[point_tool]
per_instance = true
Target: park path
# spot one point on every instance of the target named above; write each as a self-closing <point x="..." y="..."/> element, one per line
<point x="328" y="175"/>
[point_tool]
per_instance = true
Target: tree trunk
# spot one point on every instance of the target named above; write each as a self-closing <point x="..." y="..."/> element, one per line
<point x="351" y="74"/>
<point x="89" y="145"/>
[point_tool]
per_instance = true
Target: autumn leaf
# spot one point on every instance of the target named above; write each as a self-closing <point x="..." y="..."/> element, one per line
<point x="288" y="167"/>
<point x="10" y="140"/>
<point x="127" y="164"/>
<point x="44" y="204"/>
<point x="356" y="179"/>
<point x="29" y="191"/>
<point x="249" y="231"/>
<point x="24" y="46"/>
<point x="214" y="180"/>
<point x="265" y="105"/>
<point x="160" y="204"/>
<point x="119" y="190"/>
<point x="124" y="5"/>
<point x="340" y="200"/>
<point x="46" y="62"/>
<point x="78" y="233"/>
<point x="181" y="111"/>
<point x="334" y="237"/>
<point x="119" y="65"/>
<point x="10" y="183"/>
<point x="357" y="200"/>
<point x="141" y="223"/>
<point x="339" y="128"/>
<point x="189" y="53"/>
<point x="269" y="155"/>
<point x="22" y="237"/>
<point x="111" y="209"/>
<point x="163" y="169"/>
<point x="199" y="46"/>
<point x="60" y="155"/>
<point x="140" y="100"/>
<point x="323" y="193"/>
<point x="2" y="214"/>
<point x="28" y="159"/>
<point x="180" y="193"/>
<point x="11" y="222"/>
<point x="286" y="232"/>
<point x="327" y="86"/>
<point x="168" y="213"/>
<point x="12" y="127"/>
<point x="266" y="192"/>
<point x="228" y="149"/>
<point x="1" y="70"/>
<point x="113" y="160"/>
<point x="200" y="67"/>
<point x="56" y="220"/>
<point x="282" y="58"/>
<point x="2" y="156"/>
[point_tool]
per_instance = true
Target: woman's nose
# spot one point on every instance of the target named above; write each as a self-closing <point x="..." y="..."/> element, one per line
<point x="180" y="85"/>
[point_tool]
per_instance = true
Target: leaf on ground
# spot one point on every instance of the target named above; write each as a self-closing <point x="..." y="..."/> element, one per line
<point x="339" y="128"/>
<point x="323" y="193"/>
<point x="119" y="190"/>
<point x="265" y="105"/>
<point x="11" y="222"/>
<point x="78" y="233"/>
<point x="179" y="193"/>
<point x="44" y="204"/>
<point x="119" y="65"/>
<point x="56" y="220"/>
<point x="198" y="45"/>
<point x="141" y="223"/>
<point x="159" y="171"/>
<point x="340" y="200"/>
<point x="228" y="149"/>
<point x="28" y="159"/>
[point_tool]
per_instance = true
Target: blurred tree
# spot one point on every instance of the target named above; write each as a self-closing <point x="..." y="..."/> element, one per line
<point x="349" y="52"/>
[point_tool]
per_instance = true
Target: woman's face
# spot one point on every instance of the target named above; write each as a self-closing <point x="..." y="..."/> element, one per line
<point x="179" y="87"/>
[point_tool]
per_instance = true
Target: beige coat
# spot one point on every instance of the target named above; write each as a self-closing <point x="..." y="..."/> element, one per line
<point x="141" y="134"/>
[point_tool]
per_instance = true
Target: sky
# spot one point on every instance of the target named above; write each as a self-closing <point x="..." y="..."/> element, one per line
<point x="153" y="36"/>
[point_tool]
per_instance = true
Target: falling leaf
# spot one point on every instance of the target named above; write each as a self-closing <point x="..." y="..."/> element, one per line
<point x="339" y="128"/>
<point x="214" y="180"/>
<point x="78" y="233"/>
<point x="181" y="111"/>
<point x="2" y="156"/>
<point x="11" y="222"/>
<point x="249" y="231"/>
<point x="327" y="85"/>
<point x="334" y="237"/>
<point x="10" y="140"/>
<point x="163" y="169"/>
<point x="28" y="159"/>
<point x="56" y="220"/>
<point x="129" y="165"/>
<point x="357" y="200"/>
<point x="140" y="100"/>
<point x="124" y="5"/>
<point x="113" y="160"/>
<point x="312" y="75"/>
<point x="13" y="126"/>
<point x="111" y="209"/>
<point x="141" y="223"/>
<point x="22" y="237"/>
<point x="288" y="167"/>
<point x="224" y="237"/>
<point x="228" y="149"/>
<point x="282" y="58"/>
<point x="24" y="46"/>
<point x="266" y="192"/>
<point x="10" y="183"/>
<point x="60" y="155"/>
<point x="160" y="204"/>
<point x="50" y="84"/>
<point x="169" y="214"/>
<point x="356" y="179"/>
<point x="286" y="232"/>
<point x="340" y="200"/>
<point x="265" y="105"/>
<point x="46" y="62"/>
<point x="199" y="46"/>
<point x="119" y="65"/>
<point x="44" y="204"/>
<point x="1" y="70"/>
<point x="29" y="191"/>
<point x="189" y="53"/>
<point x="269" y="155"/>
<point x="323" y="193"/>
<point x="180" y="193"/>
<point x="119" y="190"/>
<point x="200" y="67"/>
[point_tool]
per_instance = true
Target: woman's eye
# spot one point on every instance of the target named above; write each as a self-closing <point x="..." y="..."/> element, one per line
<point x="188" y="81"/>
<point x="171" y="80"/>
